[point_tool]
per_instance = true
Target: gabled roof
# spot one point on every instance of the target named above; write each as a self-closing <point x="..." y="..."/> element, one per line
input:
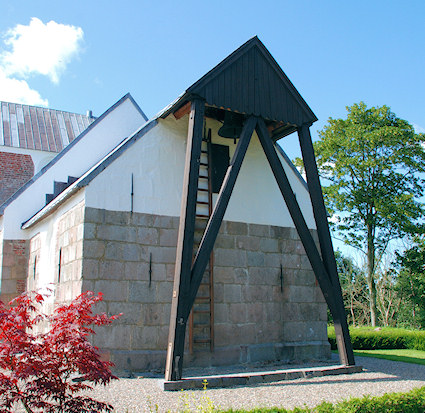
<point x="250" y="81"/>
<point x="69" y="148"/>
<point x="32" y="127"/>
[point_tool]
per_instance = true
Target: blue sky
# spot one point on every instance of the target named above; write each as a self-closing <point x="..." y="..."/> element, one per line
<point x="335" y="52"/>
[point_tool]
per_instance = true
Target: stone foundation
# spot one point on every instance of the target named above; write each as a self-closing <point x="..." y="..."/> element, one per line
<point x="256" y="318"/>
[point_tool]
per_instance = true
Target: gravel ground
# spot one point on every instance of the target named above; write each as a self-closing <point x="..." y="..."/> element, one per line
<point x="144" y="393"/>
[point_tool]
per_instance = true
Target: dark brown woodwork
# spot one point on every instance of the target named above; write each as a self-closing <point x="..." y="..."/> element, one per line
<point x="181" y="289"/>
<point x="319" y="210"/>
<point x="213" y="226"/>
<point x="296" y="214"/>
<point x="184" y="110"/>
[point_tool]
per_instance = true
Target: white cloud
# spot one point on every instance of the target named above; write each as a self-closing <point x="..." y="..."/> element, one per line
<point x="35" y="49"/>
<point x="18" y="91"/>
<point x="41" y="48"/>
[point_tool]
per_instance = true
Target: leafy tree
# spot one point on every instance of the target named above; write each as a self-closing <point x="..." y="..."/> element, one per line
<point x="354" y="289"/>
<point x="411" y="281"/>
<point x="371" y="161"/>
<point x="46" y="371"/>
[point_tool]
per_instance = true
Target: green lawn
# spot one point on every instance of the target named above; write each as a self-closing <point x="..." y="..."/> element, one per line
<point x="406" y="355"/>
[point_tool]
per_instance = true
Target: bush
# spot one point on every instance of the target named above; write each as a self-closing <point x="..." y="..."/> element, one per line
<point x="368" y="338"/>
<point x="45" y="371"/>
<point x="411" y="402"/>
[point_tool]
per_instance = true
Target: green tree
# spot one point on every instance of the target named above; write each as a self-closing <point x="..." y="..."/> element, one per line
<point x="411" y="282"/>
<point x="372" y="161"/>
<point x="354" y="289"/>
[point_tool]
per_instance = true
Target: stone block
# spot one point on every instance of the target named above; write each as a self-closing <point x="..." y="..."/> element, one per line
<point x="250" y="293"/>
<point x="147" y="236"/>
<point x="232" y="293"/>
<point x="117" y="217"/>
<point x="131" y="312"/>
<point x="168" y="237"/>
<point x="111" y="270"/>
<point x="248" y="243"/>
<point x="299" y="294"/>
<point x="255" y="258"/>
<point x="145" y="338"/>
<point x="225" y="241"/>
<point x="259" y="230"/>
<point x="291" y="312"/>
<point x="164" y="292"/>
<point x="152" y="314"/>
<point x="273" y="311"/>
<point x="136" y="271"/>
<point x="139" y="291"/>
<point x="112" y="290"/>
<point x="163" y="255"/>
<point x="93" y="249"/>
<point x="280" y="232"/>
<point x="116" y="233"/>
<point x="162" y="221"/>
<point x="263" y="276"/>
<point x="142" y="220"/>
<point x="238" y="312"/>
<point x="305" y="277"/>
<point x="221" y="313"/>
<point x="94" y="215"/>
<point x="294" y="331"/>
<point x="218" y="292"/>
<point x="291" y="261"/>
<point x="131" y="252"/>
<point x="269" y="245"/>
<point x="236" y="228"/>
<point x="113" y="337"/>
<point x="255" y="312"/>
<point x="230" y="258"/>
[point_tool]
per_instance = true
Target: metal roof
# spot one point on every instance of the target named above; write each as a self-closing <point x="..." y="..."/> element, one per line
<point x="32" y="127"/>
<point x="250" y="81"/>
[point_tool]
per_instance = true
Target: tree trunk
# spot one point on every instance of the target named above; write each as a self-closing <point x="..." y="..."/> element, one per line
<point x="371" y="275"/>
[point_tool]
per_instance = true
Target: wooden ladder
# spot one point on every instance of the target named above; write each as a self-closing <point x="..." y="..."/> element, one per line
<point x="201" y="319"/>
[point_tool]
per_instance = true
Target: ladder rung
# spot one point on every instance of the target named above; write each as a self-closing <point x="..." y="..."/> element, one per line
<point x="204" y="151"/>
<point x="201" y="340"/>
<point x="202" y="298"/>
<point x="203" y="189"/>
<point x="201" y="311"/>
<point x="202" y="202"/>
<point x="203" y="164"/>
<point x="203" y="177"/>
<point x="202" y="216"/>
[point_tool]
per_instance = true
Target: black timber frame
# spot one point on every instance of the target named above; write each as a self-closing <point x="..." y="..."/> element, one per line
<point x="188" y="276"/>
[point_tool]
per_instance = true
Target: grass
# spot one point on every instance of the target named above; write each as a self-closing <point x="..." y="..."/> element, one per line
<point x="405" y="355"/>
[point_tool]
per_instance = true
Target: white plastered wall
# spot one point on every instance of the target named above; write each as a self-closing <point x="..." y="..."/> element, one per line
<point x="118" y="124"/>
<point x="156" y="162"/>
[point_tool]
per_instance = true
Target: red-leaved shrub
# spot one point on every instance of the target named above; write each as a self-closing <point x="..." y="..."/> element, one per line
<point x="46" y="371"/>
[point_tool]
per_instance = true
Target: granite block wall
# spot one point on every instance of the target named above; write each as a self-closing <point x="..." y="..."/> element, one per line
<point x="261" y="312"/>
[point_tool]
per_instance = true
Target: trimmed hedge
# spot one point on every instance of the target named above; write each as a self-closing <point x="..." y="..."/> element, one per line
<point x="368" y="338"/>
<point x="410" y="402"/>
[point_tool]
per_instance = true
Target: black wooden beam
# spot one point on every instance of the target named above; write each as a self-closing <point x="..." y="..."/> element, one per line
<point x="345" y="348"/>
<point x="184" y="252"/>
<point x="296" y="214"/>
<point x="213" y="226"/>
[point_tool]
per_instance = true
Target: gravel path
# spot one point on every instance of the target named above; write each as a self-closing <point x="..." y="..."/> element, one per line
<point x="143" y="394"/>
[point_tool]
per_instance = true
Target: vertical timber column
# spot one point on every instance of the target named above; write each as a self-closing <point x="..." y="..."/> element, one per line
<point x="345" y="348"/>
<point x="181" y="289"/>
